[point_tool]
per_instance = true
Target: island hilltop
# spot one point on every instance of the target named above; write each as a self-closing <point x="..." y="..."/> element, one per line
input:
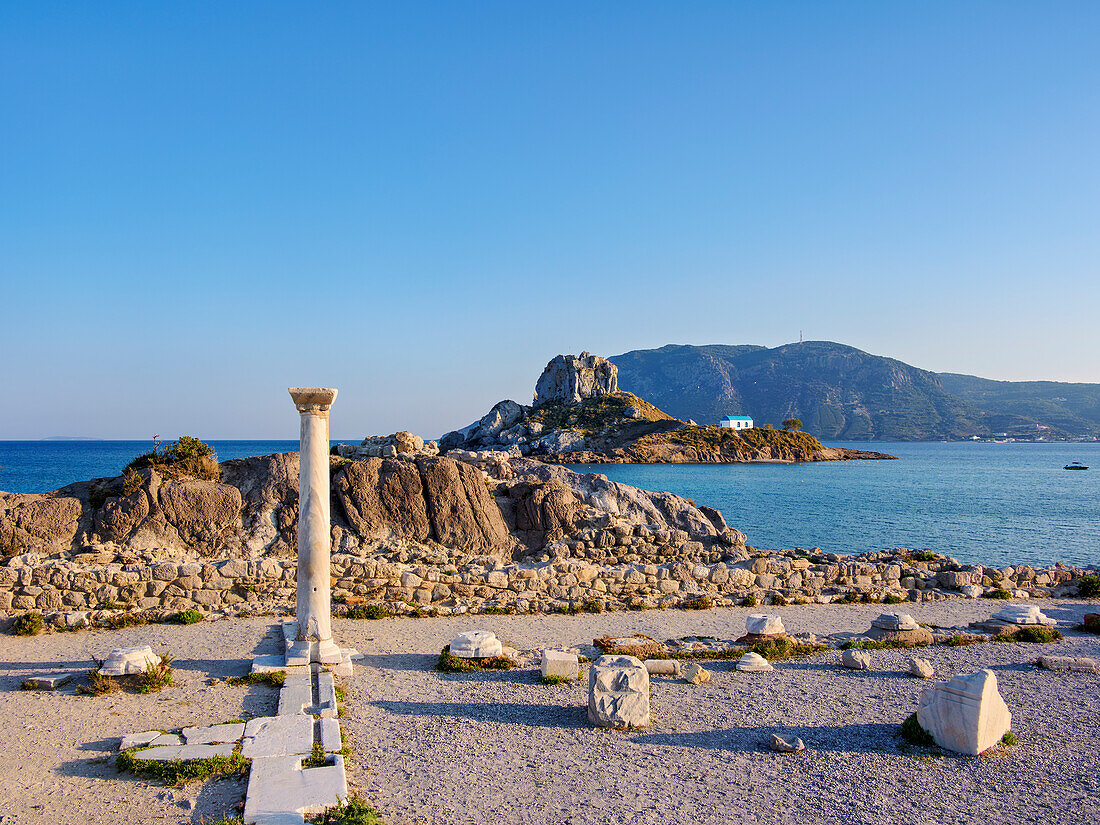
<point x="580" y="416"/>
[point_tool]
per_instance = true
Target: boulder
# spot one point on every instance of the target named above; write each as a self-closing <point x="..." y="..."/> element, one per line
<point x="695" y="674"/>
<point x="124" y="661"/>
<point x="638" y="645"/>
<point x="921" y="668"/>
<point x="762" y="624"/>
<point x="461" y="511"/>
<point x="37" y="522"/>
<point x="544" y="512"/>
<point x="894" y="622"/>
<point x="381" y="497"/>
<point x="753" y="663"/>
<point x="559" y="663"/>
<point x="965" y="715"/>
<point x="972" y="591"/>
<point x="204" y="513"/>
<point x="856" y="660"/>
<point x="572" y="378"/>
<point x="560" y="441"/>
<point x="1079" y="664"/>
<point x="618" y="693"/>
<point x="476" y="644"/>
<point x="900" y="628"/>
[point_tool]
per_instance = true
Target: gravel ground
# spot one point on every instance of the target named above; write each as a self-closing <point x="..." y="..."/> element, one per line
<point x="503" y="748"/>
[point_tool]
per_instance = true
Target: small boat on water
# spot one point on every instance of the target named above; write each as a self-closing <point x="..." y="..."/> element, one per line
<point x="1075" y="465"/>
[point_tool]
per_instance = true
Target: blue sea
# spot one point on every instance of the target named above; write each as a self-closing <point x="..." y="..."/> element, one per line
<point x="993" y="504"/>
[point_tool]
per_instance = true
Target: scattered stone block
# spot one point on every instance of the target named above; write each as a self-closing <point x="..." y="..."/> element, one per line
<point x="169" y="753"/>
<point x="476" y="644"/>
<point x="281" y="792"/>
<point x="124" y="661"/>
<point x="972" y="591"/>
<point x="269" y="736"/>
<point x="1078" y="664"/>
<point x="167" y="739"/>
<point x="966" y="714"/>
<point x="763" y="624"/>
<point x="269" y="663"/>
<point x="921" y="668"/>
<point x="780" y="745"/>
<point x="559" y="663"/>
<point x="662" y="667"/>
<point x="214" y="734"/>
<point x="1023" y="614"/>
<point x="895" y="621"/>
<point x="618" y="693"/>
<point x="48" y="681"/>
<point x="856" y="660"/>
<point x="136" y="739"/>
<point x="695" y="674"/>
<point x="753" y="663"/>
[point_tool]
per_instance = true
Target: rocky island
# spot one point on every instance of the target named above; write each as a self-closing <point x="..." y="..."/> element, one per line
<point x="580" y="416"/>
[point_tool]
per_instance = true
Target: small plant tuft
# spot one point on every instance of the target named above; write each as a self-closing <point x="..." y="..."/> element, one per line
<point x="893" y="598"/>
<point x="186" y="617"/>
<point x="453" y="664"/>
<point x="353" y="812"/>
<point x="29" y="624"/>
<point x="914" y="734"/>
<point x="180" y="771"/>
<point x="1009" y="739"/>
<point x="273" y="678"/>
<point x="1088" y="586"/>
<point x="1037" y="634"/>
<point x="962" y="639"/>
<point x="699" y="603"/>
<point x="555" y="680"/>
<point x="924" y="555"/>
<point x="749" y="601"/>
<point x="369" y="611"/>
<point x="997" y="593"/>
<point x="592" y="606"/>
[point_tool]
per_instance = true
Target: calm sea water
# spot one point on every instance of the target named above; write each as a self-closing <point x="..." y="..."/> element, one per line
<point x="992" y="504"/>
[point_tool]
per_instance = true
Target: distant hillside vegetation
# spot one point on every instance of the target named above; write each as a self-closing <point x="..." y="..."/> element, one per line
<point x="842" y="393"/>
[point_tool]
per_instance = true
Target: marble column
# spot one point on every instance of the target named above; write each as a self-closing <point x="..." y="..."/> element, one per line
<point x="314" y="637"/>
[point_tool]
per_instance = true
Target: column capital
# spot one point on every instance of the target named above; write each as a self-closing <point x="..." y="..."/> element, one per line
<point x="312" y="399"/>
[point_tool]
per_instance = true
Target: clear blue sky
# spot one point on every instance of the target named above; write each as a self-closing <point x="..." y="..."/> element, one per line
<point x="422" y="203"/>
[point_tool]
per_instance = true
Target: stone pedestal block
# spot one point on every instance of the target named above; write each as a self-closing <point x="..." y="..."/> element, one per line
<point x="476" y="644"/>
<point x="967" y="714"/>
<point x="763" y="624"/>
<point x="559" y="663"/>
<point x="618" y="693"/>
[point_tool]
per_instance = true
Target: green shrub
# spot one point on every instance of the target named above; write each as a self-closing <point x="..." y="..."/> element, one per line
<point x="354" y="812"/>
<point x="121" y="620"/>
<point x="962" y="639"/>
<point x="453" y="664"/>
<point x="1009" y="739"/>
<point x="555" y="680"/>
<point x="698" y="603"/>
<point x="723" y="653"/>
<point x="496" y="610"/>
<point x="593" y="606"/>
<point x="273" y="678"/>
<point x="1037" y="634"/>
<point x="369" y="611"/>
<point x="924" y="555"/>
<point x="185" y="456"/>
<point x="131" y="481"/>
<point x="29" y="624"/>
<point x="779" y="600"/>
<point x="156" y="677"/>
<point x="893" y="598"/>
<point x="997" y="593"/>
<point x="177" y="772"/>
<point x="1088" y="586"/>
<point x="749" y="601"/>
<point x="847" y="598"/>
<point x="914" y="734"/>
<point x="186" y="617"/>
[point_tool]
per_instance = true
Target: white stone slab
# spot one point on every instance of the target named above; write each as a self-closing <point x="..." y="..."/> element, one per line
<point x="618" y="693"/>
<point x="123" y="661"/>
<point x="921" y="668"/>
<point x="269" y="736"/>
<point x="1022" y="614"/>
<point x="296" y="694"/>
<point x="280" y="792"/>
<point x="214" y="734"/>
<point x="966" y="714"/>
<point x="559" y="663"/>
<point x="764" y="624"/>
<point x="136" y="739"/>
<point x="856" y="659"/>
<point x="49" y="681"/>
<point x="753" y="663"/>
<point x="167" y="739"/>
<point x="476" y="644"/>
<point x="326" y="693"/>
<point x="330" y="736"/>
<point x="895" y="621"/>
<point x="168" y="753"/>
<point x="269" y="663"/>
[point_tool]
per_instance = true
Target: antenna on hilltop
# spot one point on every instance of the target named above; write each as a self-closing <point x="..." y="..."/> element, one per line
<point x="800" y="336"/>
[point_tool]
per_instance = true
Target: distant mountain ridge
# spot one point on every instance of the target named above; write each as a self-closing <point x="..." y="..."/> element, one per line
<point x="842" y="393"/>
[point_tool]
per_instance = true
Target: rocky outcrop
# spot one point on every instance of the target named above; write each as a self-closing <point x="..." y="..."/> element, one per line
<point x="38" y="522"/>
<point x="388" y="446"/>
<point x="572" y="378"/>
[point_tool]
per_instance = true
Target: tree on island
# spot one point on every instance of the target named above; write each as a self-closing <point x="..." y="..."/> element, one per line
<point x="792" y="425"/>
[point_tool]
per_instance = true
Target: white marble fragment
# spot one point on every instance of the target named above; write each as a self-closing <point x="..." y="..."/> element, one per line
<point x="696" y="674"/>
<point x="166" y="739"/>
<point x="966" y="714"/>
<point x="170" y="753"/>
<point x="618" y="693"/>
<point x="921" y="668"/>
<point x="559" y="663"/>
<point x="753" y="663"/>
<point x="280" y="791"/>
<point x="123" y="661"/>
<point x="662" y="667"/>
<point x="856" y="660"/>
<point x="268" y="736"/>
<point x="133" y="740"/>
<point x="476" y="644"/>
<point x="50" y="681"/>
<point x="763" y="624"/>
<point x="1023" y="614"/>
<point x="1079" y="664"/>
<point x="214" y="734"/>
<point x="972" y="591"/>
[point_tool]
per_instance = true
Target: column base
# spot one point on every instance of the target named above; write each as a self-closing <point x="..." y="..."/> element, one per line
<point x="306" y="651"/>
